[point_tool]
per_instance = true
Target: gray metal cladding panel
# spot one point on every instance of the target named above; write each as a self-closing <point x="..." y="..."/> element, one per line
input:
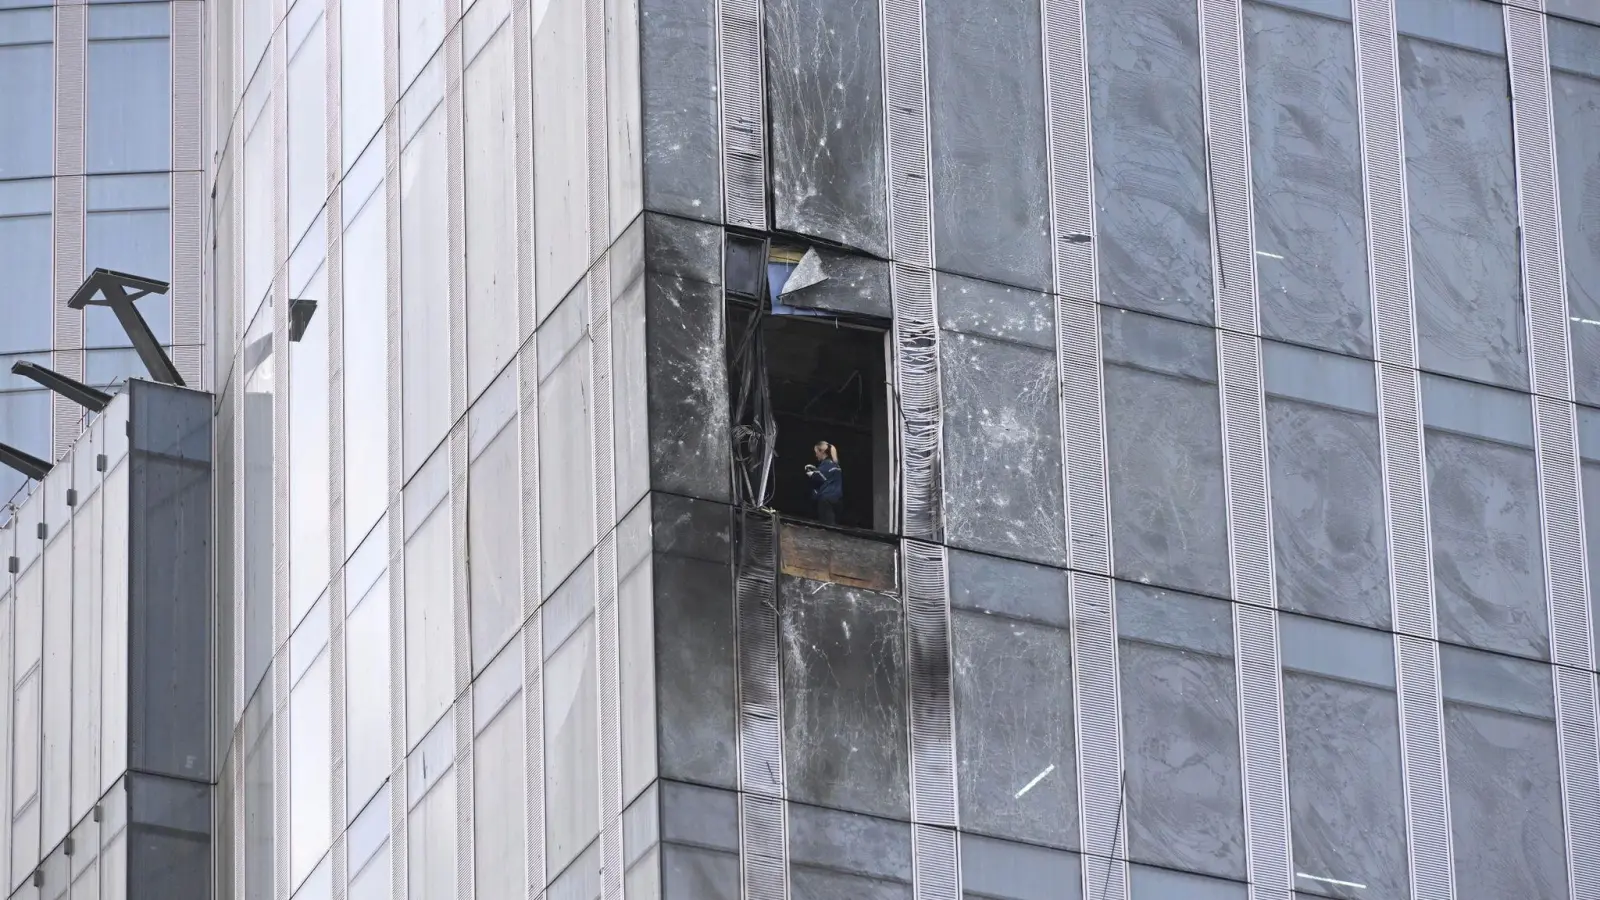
<point x="683" y="248"/>
<point x="1580" y="761"/>
<point x="991" y="209"/>
<point x="1305" y="153"/>
<point x="682" y="132"/>
<point x="851" y="284"/>
<point x="845" y="717"/>
<point x="1002" y="449"/>
<point x="1488" y="555"/>
<point x="692" y="873"/>
<point x="1153" y="213"/>
<point x="825" y="105"/>
<point x="170" y="500"/>
<point x="1084" y="444"/>
<point x="1575" y="101"/>
<point x="686" y="372"/>
<point x="1505" y="803"/>
<point x="696" y="677"/>
<point x="1015" y="746"/>
<point x="1561" y="508"/>
<point x="1328" y="528"/>
<point x="1097" y="704"/>
<point x="1461" y="184"/>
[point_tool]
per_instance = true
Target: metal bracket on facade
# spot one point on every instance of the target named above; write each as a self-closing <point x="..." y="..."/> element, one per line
<point x="118" y="290"/>
<point x="85" y="396"/>
<point x="29" y="465"/>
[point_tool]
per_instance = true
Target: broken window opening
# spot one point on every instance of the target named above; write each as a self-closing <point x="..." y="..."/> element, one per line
<point x="799" y="375"/>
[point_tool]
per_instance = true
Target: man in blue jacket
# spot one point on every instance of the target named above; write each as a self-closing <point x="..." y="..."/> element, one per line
<point x="827" y="482"/>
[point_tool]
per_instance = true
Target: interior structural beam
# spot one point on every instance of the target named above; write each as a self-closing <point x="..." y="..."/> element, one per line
<point x="85" y="396"/>
<point x="118" y="290"/>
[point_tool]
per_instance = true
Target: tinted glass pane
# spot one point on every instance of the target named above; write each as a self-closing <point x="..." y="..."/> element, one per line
<point x="499" y="811"/>
<point x="25" y="105"/>
<point x="25" y="254"/>
<point x="430" y="623"/>
<point x="844" y="697"/>
<point x="1483" y="502"/>
<point x="1505" y="775"/>
<point x="361" y="105"/>
<point x="1461" y="185"/>
<point x="129" y="119"/>
<point x="366" y="367"/>
<point x="259" y="492"/>
<point x="308" y="456"/>
<point x="991" y="212"/>
<point x="836" y="854"/>
<point x="494" y="512"/>
<point x="1305" y="156"/>
<point x="492" y="327"/>
<point x="1328" y="527"/>
<point x="1002" y="438"/>
<point x="571" y="735"/>
<point x="1150" y="157"/>
<point x="1575" y="93"/>
<point x="367" y="696"/>
<point x="425" y="286"/>
<point x="1164" y="446"/>
<point x="1341" y="722"/>
<point x="308" y="155"/>
<point x="825" y="101"/>
<point x="1180" y="724"/>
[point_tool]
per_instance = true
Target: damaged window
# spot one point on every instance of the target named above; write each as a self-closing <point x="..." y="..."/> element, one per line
<point x="808" y="382"/>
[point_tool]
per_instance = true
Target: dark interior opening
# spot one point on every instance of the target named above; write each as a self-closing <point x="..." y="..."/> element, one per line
<point x="827" y="382"/>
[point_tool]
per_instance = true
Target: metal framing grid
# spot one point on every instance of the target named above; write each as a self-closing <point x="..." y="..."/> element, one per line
<point x="189" y="321"/>
<point x="282" y="623"/>
<point x="399" y="834"/>
<point x="337" y="599"/>
<point x="71" y="57"/>
<point x="1556" y="441"/>
<point x="1427" y="806"/>
<point x="763" y="817"/>
<point x="528" y="451"/>
<point x="741" y="90"/>
<point x="1255" y="617"/>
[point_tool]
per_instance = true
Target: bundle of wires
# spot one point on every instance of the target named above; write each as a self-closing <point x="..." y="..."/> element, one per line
<point x="755" y="431"/>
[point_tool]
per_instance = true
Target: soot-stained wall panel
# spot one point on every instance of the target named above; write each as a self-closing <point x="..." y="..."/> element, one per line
<point x="1180" y="721"/>
<point x="1152" y="210"/>
<point x="1575" y="94"/>
<point x="682" y="131"/>
<point x="1330" y="543"/>
<point x="825" y="106"/>
<point x="687" y="374"/>
<point x="1461" y="186"/>
<point x="991" y="212"/>
<point x="1012" y="654"/>
<point x="1483" y="504"/>
<point x="1002" y="448"/>
<point x="1164" y="448"/>
<point x="694" y="650"/>
<point x="845" y="722"/>
<point x="1305" y="156"/>
<point x="846" y="856"/>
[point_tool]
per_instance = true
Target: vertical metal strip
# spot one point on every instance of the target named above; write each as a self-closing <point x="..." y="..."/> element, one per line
<point x="460" y="458"/>
<point x="599" y="189"/>
<point x="66" y="325"/>
<point x="528" y="451"/>
<point x="334" y="300"/>
<point x="282" y="624"/>
<point x="522" y="171"/>
<point x="935" y="864"/>
<point x="1422" y="756"/>
<point x="934" y="813"/>
<point x="1097" y="701"/>
<point x="1260" y="677"/>
<point x="741" y="90"/>
<point x="763" y="819"/>
<point x="399" y="832"/>
<point x="608" y="651"/>
<point x="188" y="188"/>
<point x="1544" y="286"/>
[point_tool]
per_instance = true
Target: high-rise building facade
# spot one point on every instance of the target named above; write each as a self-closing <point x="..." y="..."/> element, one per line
<point x="100" y="167"/>
<point x="1215" y="387"/>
